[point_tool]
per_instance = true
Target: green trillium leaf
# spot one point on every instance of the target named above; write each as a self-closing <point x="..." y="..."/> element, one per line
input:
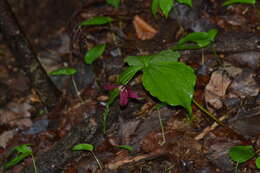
<point x="99" y="20"/>
<point x="241" y="154"/>
<point x="128" y="74"/>
<point x="86" y="147"/>
<point x="172" y="83"/>
<point x="94" y="53"/>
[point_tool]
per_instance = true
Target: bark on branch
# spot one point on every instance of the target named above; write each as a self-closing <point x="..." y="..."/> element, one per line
<point x="25" y="56"/>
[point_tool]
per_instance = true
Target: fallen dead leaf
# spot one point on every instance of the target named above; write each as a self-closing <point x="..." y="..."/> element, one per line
<point x="5" y="137"/>
<point x="143" y="30"/>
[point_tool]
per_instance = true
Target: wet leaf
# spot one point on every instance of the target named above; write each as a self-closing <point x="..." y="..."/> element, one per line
<point x="229" y="2"/>
<point x="86" y="147"/>
<point x="94" y="53"/>
<point x="99" y="20"/>
<point x="114" y="3"/>
<point x="186" y="2"/>
<point x="241" y="154"/>
<point x="126" y="147"/>
<point x="257" y="162"/>
<point x="64" y="71"/>
<point x="166" y="6"/>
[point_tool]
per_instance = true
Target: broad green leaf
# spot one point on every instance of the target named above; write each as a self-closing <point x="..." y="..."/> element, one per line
<point x="186" y="2"/>
<point x="16" y="160"/>
<point x="257" y="162"/>
<point x="154" y="7"/>
<point x="126" y="147"/>
<point x="166" y="6"/>
<point x="241" y="154"/>
<point x="64" y="71"/>
<point x="157" y="58"/>
<point x="165" y="56"/>
<point x="114" y="3"/>
<point x="172" y="83"/>
<point x="99" y="20"/>
<point x="87" y="147"/>
<point x="137" y="60"/>
<point x="128" y="74"/>
<point x="94" y="53"/>
<point x="229" y="2"/>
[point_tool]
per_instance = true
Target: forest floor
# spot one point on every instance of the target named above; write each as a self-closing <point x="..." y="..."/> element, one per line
<point x="163" y="140"/>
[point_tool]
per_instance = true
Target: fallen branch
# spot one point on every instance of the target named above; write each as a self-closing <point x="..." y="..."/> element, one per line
<point x="26" y="57"/>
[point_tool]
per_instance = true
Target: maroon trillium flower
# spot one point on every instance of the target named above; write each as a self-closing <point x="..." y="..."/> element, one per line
<point x="125" y="93"/>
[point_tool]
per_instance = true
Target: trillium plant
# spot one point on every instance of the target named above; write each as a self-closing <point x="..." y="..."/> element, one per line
<point x="163" y="76"/>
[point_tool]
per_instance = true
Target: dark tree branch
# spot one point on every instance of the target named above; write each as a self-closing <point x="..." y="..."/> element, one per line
<point x="26" y="57"/>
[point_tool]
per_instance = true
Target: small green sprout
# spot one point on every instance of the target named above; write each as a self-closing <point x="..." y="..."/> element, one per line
<point x="94" y="53"/>
<point x="99" y="20"/>
<point x="230" y="2"/>
<point x="87" y="147"/>
<point x="241" y="154"/>
<point x="126" y="147"/>
<point x="64" y="71"/>
<point x="23" y="151"/>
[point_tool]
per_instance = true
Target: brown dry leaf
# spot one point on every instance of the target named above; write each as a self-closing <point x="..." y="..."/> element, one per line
<point x="143" y="30"/>
<point x="5" y="137"/>
<point x="216" y="89"/>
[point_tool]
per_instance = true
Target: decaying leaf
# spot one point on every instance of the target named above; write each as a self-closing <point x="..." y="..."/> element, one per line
<point x="143" y="30"/>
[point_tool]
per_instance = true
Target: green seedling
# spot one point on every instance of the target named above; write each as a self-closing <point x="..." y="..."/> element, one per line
<point x="241" y="154"/>
<point x="87" y="147"/>
<point x="162" y="71"/>
<point x="64" y="71"/>
<point x="23" y="151"/>
<point x="196" y="40"/>
<point x="94" y="53"/>
<point x="114" y="3"/>
<point x="68" y="71"/>
<point x="99" y="20"/>
<point x="126" y="147"/>
<point x="230" y="2"/>
<point x="166" y="6"/>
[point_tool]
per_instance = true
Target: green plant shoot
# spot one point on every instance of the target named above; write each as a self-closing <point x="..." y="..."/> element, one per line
<point x="99" y="20"/>
<point x="241" y="154"/>
<point x="126" y="147"/>
<point x="170" y="81"/>
<point x="114" y="3"/>
<point x="23" y="152"/>
<point x="198" y="40"/>
<point x="94" y="53"/>
<point x="230" y="2"/>
<point x="86" y="147"/>
<point x="64" y="71"/>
